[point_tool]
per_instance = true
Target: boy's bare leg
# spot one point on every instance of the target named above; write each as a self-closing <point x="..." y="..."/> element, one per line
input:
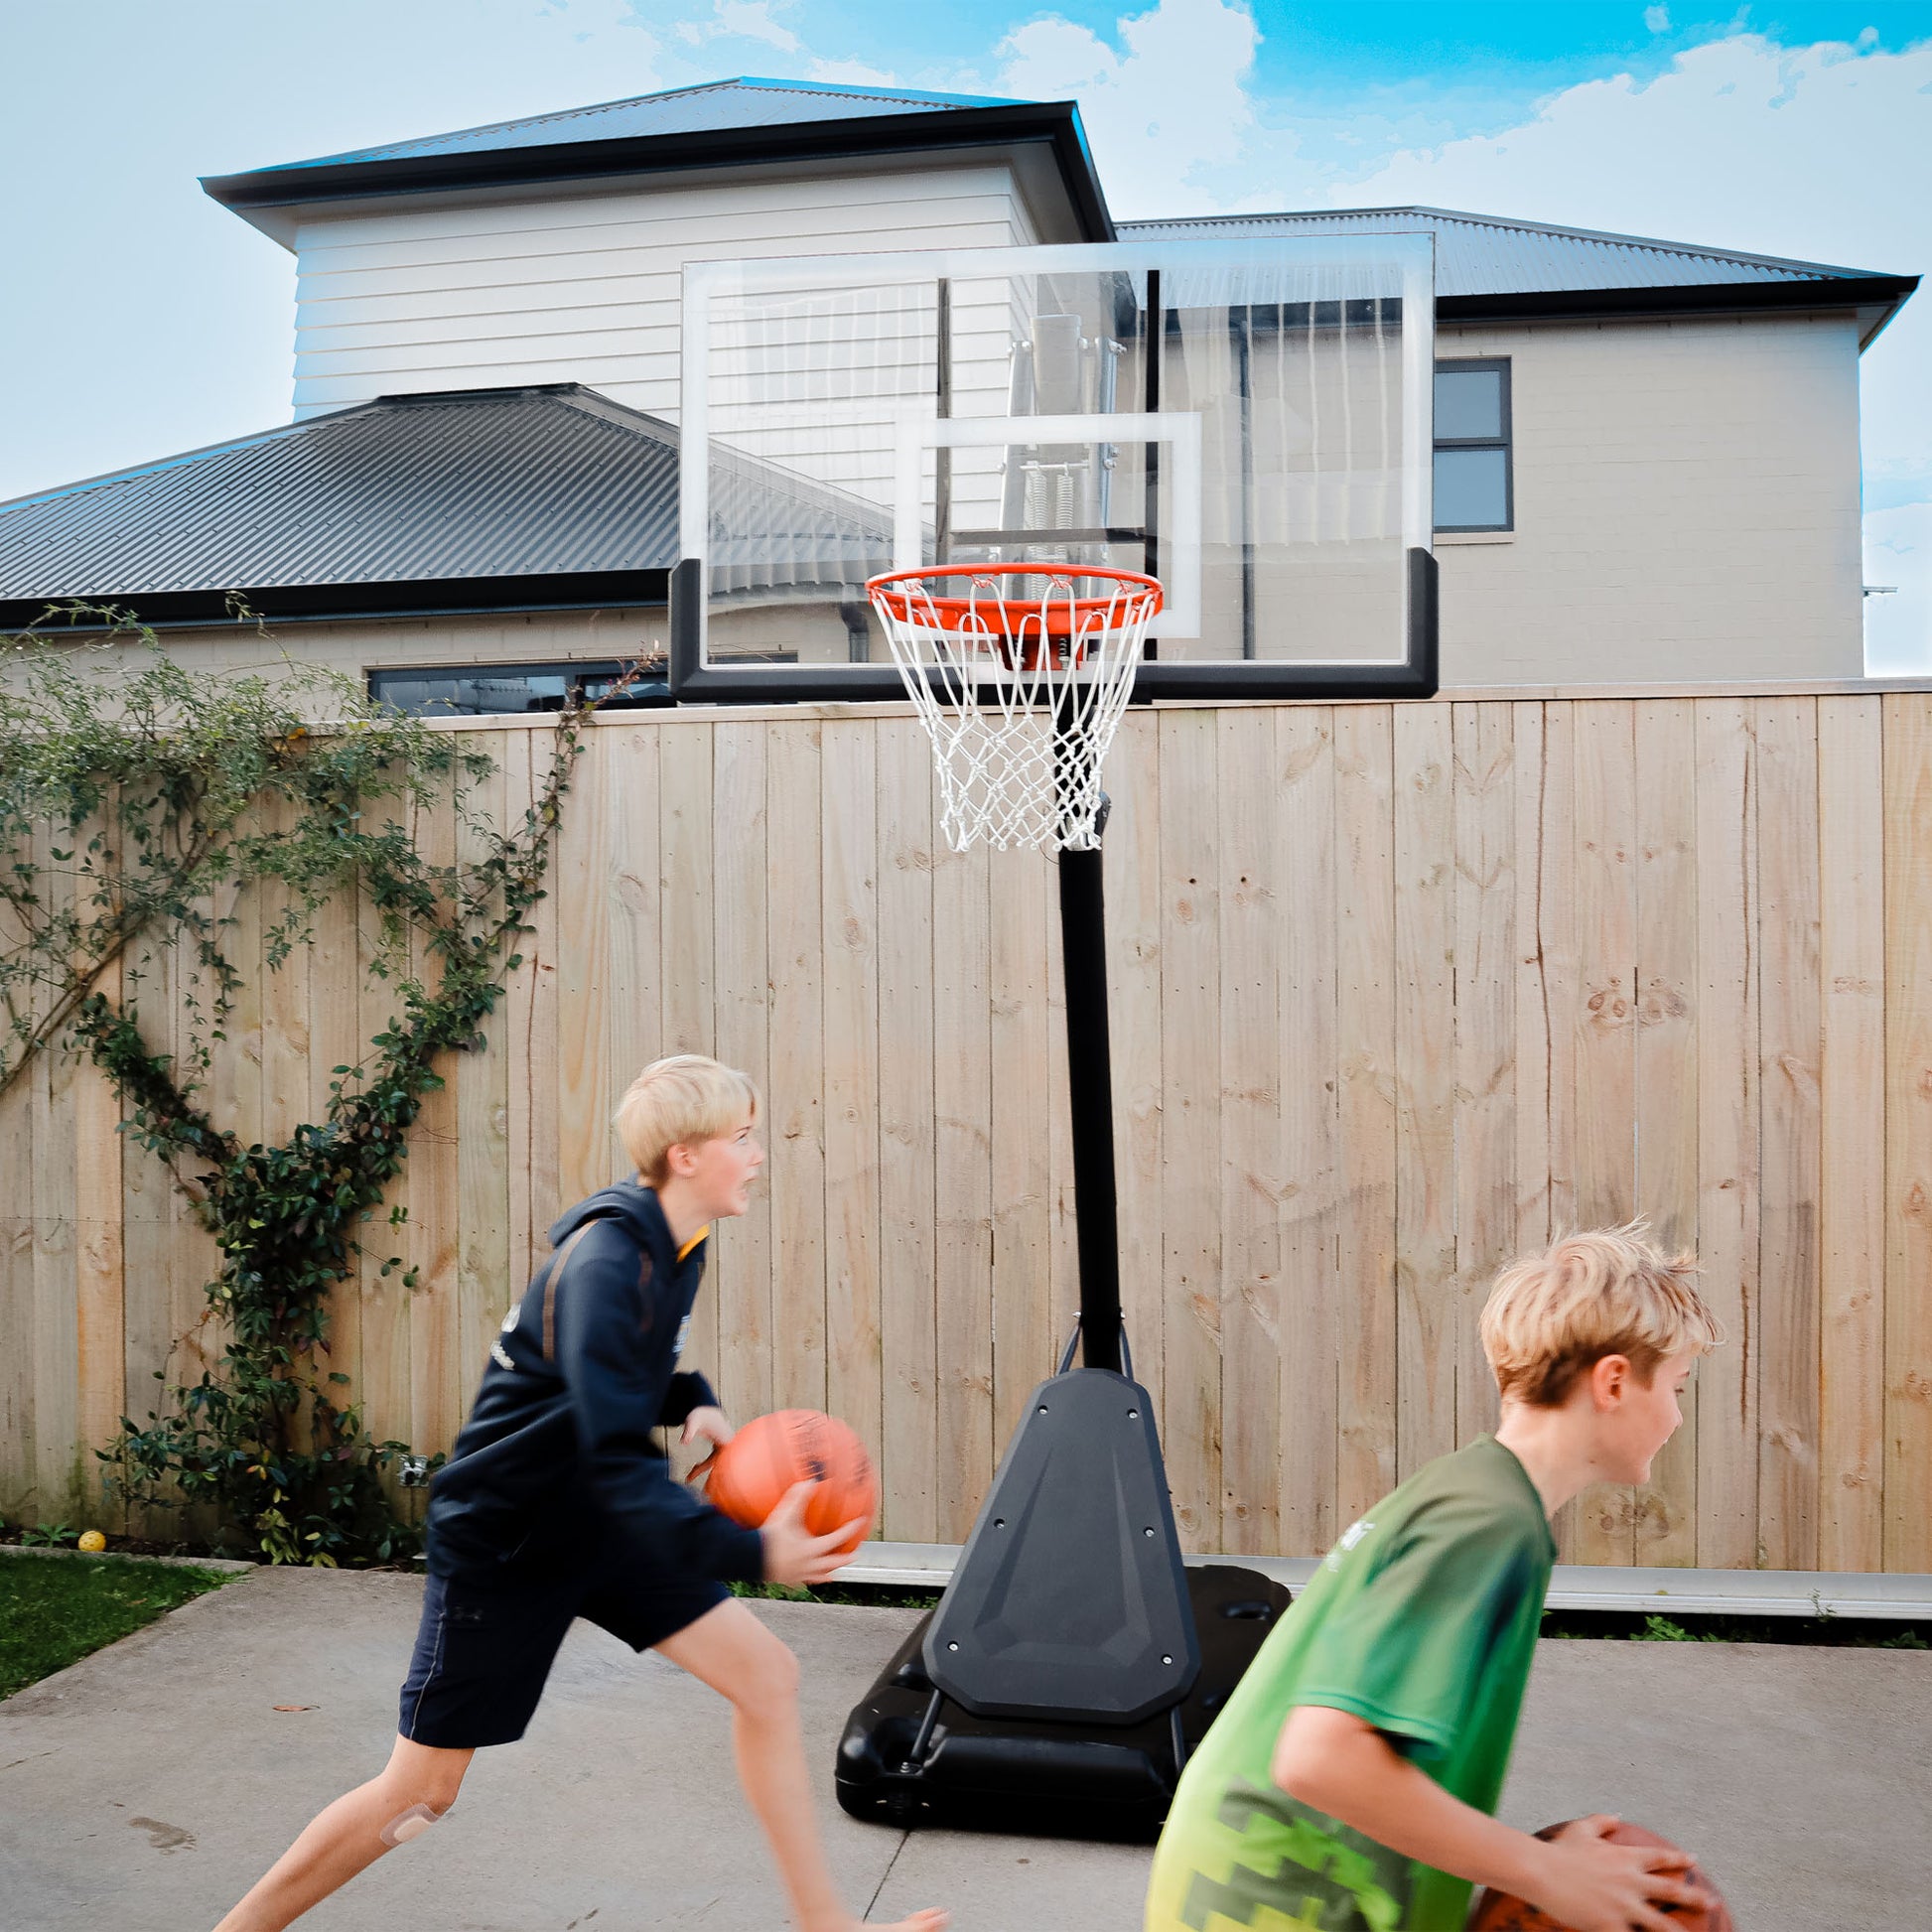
<point x="732" y="1651"/>
<point x="348" y="1836"/>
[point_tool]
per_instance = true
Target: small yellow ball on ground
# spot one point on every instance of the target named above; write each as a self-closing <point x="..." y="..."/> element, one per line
<point x="92" y="1540"/>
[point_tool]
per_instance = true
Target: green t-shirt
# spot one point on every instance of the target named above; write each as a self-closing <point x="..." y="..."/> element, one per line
<point x="1422" y="1621"/>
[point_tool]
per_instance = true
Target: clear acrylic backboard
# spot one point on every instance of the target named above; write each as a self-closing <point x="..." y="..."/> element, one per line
<point x="1246" y="419"/>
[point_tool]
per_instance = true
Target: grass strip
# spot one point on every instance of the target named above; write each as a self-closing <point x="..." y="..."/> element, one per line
<point x="55" y="1610"/>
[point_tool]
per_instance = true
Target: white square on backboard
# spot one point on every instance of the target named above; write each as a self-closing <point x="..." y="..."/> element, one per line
<point x="1178" y="431"/>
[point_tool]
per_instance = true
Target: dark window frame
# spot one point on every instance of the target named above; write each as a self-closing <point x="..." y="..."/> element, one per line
<point x="1506" y="442"/>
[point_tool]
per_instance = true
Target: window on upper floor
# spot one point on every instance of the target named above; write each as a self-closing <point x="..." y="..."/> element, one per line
<point x="1473" y="486"/>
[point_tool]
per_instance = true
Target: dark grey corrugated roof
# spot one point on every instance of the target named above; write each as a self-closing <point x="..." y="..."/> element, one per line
<point x="744" y="103"/>
<point x="470" y="484"/>
<point x="1483" y="254"/>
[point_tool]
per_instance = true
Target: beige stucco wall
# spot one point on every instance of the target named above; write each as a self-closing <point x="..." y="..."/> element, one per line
<point x="357" y="648"/>
<point x="1687" y="506"/>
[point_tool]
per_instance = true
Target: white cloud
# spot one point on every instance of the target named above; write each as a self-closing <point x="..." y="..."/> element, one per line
<point x="742" y="20"/>
<point x="1657" y="18"/>
<point x="1167" y="109"/>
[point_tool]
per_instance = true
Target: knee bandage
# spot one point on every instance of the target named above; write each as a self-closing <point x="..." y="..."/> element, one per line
<point x="409" y="1824"/>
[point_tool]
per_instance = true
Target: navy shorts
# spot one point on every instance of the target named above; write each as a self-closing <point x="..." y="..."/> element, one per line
<point x="483" y="1654"/>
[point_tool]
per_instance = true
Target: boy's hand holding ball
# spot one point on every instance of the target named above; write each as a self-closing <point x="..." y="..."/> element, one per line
<point x="793" y="1554"/>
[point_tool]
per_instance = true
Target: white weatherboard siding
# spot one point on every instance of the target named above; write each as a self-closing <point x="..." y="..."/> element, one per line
<point x="585" y="287"/>
<point x="1687" y="506"/>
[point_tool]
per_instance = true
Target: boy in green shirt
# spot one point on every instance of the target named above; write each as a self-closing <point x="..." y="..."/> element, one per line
<point x="1351" y="1782"/>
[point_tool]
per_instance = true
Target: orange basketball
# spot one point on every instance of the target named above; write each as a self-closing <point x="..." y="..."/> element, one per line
<point x="769" y="1454"/>
<point x="1497" y="1911"/>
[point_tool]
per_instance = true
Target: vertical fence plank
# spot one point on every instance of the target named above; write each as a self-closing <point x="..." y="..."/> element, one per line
<point x="19" y="1421"/>
<point x="1536" y="1072"/>
<point x="519" y="1016"/>
<point x="795" y="935"/>
<point x="1315" y="1203"/>
<point x="147" y="1232"/>
<point x="908" y="1311"/>
<point x="1252" y="1178"/>
<point x="1851" y="1133"/>
<point x="383" y="1302"/>
<point x="1666" y="1089"/>
<point x="1426" y="1304"/>
<point x="1788" y="1155"/>
<point x="1191" y="1139"/>
<point x="1365" y="1081"/>
<point x="1486" y="1191"/>
<point x="100" y="1287"/>
<point x="1728" y="1124"/>
<point x="962" y="1078"/>
<point x="1020" y="1156"/>
<point x="742" y="1267"/>
<point x="680" y="899"/>
<point x="1605" y="1036"/>
<point x="1908" y="1129"/>
<point x="582" y="871"/>
<point x="437" y="1370"/>
<point x="546" y="948"/>
<point x="57" y="1366"/>
<point x="849" y="970"/>
<point x="1132" y="862"/>
<point x="655" y="893"/>
<point x="483" y="1249"/>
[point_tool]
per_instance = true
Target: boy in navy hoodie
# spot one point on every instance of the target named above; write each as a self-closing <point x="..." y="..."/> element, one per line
<point x="556" y="1503"/>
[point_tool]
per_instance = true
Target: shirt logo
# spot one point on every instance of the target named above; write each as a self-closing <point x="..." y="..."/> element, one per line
<point x="1351" y="1536"/>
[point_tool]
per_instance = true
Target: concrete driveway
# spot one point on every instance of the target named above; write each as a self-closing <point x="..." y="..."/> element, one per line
<point x="150" y="1785"/>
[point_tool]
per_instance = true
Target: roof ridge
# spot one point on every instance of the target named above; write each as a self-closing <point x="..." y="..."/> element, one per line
<point x="837" y="89"/>
<point x="1472" y="218"/>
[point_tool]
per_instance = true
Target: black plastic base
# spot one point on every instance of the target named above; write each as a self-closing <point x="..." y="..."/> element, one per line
<point x="911" y="1756"/>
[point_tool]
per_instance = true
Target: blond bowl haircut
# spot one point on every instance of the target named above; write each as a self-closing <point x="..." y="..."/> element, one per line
<point x="678" y="1102"/>
<point x="1553" y="1316"/>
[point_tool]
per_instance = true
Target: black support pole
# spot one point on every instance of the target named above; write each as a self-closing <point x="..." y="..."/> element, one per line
<point x="1083" y="947"/>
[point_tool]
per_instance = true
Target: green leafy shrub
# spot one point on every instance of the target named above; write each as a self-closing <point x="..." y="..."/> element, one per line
<point x="132" y="797"/>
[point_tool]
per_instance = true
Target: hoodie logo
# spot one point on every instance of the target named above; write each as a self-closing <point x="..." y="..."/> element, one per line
<point x="677" y="1348"/>
<point x="498" y="1352"/>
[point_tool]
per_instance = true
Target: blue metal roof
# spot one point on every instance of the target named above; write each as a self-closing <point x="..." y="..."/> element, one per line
<point x="717" y="105"/>
<point x="1484" y="254"/>
<point x="473" y="485"/>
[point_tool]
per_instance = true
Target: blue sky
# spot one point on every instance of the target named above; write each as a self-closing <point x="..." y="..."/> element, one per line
<point x="142" y="319"/>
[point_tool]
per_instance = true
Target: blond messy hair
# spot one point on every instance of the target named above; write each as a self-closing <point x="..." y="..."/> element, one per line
<point x="677" y="1102"/>
<point x="1553" y="1316"/>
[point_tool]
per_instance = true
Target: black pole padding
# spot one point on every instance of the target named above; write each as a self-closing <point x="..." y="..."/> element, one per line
<point x="1083" y="945"/>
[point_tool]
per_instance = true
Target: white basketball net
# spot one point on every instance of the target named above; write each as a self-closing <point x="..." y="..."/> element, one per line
<point x="1020" y="674"/>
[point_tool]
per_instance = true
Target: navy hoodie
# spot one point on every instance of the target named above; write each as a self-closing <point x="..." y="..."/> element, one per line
<point x="556" y="1468"/>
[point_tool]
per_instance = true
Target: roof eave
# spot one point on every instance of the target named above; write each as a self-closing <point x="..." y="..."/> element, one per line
<point x="430" y="596"/>
<point x="1056" y="123"/>
<point x="1884" y="293"/>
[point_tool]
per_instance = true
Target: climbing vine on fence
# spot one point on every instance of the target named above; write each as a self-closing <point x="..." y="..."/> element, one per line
<point x="138" y="800"/>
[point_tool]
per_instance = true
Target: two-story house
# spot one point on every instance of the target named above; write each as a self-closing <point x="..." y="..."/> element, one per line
<point x="1645" y="453"/>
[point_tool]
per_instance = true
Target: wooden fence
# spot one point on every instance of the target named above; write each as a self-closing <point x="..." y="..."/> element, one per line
<point x="1397" y="989"/>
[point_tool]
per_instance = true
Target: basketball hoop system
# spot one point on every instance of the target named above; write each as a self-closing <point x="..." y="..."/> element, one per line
<point x="1021" y="694"/>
